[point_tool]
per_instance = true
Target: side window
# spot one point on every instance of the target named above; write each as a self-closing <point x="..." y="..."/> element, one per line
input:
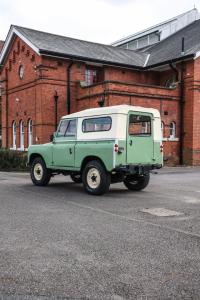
<point x="67" y="128"/>
<point x="97" y="124"/>
<point x="71" y="128"/>
<point x="62" y="128"/>
<point x="139" y="125"/>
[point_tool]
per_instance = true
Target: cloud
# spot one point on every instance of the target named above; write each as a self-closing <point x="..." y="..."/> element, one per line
<point x="101" y="21"/>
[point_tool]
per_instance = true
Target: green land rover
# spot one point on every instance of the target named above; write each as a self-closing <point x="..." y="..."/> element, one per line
<point x="101" y="146"/>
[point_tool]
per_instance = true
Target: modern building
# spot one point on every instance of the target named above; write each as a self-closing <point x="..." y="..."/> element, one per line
<point x="44" y="76"/>
<point x="157" y="33"/>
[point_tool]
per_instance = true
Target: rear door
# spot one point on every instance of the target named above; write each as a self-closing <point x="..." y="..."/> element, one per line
<point x="64" y="144"/>
<point x="140" y="146"/>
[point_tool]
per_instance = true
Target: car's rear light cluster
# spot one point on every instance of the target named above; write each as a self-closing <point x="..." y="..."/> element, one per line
<point x="116" y="147"/>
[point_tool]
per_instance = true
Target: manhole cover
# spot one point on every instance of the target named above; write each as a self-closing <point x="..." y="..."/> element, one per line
<point x="161" y="212"/>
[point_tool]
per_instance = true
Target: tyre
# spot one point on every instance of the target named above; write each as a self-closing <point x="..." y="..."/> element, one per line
<point x="136" y="182"/>
<point x="96" y="180"/>
<point x="76" y="178"/>
<point x="40" y="175"/>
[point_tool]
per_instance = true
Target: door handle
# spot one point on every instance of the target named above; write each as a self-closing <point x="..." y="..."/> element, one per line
<point x="130" y="142"/>
<point x="70" y="150"/>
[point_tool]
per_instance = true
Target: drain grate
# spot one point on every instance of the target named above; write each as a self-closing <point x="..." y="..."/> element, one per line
<point x="161" y="212"/>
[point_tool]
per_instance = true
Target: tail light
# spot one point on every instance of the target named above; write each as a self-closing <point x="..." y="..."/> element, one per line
<point x="161" y="148"/>
<point x="116" y="147"/>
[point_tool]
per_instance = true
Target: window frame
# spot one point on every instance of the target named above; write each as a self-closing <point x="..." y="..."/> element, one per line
<point x="173" y="128"/>
<point x="30" y="132"/>
<point x="14" y="134"/>
<point x="93" y="118"/>
<point x="67" y="136"/>
<point x="140" y="134"/>
<point x="21" y="131"/>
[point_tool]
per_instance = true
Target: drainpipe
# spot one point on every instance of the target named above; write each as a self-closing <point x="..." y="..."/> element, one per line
<point x="174" y="69"/>
<point x="182" y="100"/>
<point x="68" y="87"/>
<point x="56" y="109"/>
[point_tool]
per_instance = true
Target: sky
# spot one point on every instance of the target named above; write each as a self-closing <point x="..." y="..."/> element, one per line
<point x="103" y="21"/>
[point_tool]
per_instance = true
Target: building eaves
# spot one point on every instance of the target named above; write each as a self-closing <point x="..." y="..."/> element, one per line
<point x="60" y="46"/>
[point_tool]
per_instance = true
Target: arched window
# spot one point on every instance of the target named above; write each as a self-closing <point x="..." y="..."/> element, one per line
<point x="30" y="132"/>
<point x="14" y="135"/>
<point x="21" y="129"/>
<point x="162" y="129"/>
<point x="172" y="130"/>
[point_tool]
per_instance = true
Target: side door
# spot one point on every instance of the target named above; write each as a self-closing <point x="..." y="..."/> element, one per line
<point x="63" y="150"/>
<point x="140" y="145"/>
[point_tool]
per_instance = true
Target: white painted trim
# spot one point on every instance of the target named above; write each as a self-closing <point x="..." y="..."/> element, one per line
<point x="197" y="55"/>
<point x="13" y="31"/>
<point x="147" y="59"/>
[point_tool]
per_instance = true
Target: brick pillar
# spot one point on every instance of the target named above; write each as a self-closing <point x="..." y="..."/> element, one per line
<point x="192" y="114"/>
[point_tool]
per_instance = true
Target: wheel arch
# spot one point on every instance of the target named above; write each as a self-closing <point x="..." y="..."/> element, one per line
<point x="33" y="156"/>
<point x="90" y="158"/>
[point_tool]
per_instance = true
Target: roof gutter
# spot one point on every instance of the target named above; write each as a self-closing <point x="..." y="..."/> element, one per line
<point x="68" y="87"/>
<point x="84" y="59"/>
<point x="170" y="61"/>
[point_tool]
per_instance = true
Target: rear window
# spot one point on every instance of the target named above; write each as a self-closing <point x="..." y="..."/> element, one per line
<point x="139" y="125"/>
<point x="97" y="124"/>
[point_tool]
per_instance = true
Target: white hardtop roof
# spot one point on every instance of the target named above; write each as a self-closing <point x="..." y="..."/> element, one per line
<point x="117" y="109"/>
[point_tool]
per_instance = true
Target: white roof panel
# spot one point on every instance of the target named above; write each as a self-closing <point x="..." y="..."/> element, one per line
<point x="117" y="109"/>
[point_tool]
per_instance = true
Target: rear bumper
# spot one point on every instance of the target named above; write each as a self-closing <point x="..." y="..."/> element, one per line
<point x="137" y="169"/>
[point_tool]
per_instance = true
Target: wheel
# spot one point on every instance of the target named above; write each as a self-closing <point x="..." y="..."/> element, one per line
<point x="76" y="178"/>
<point x="96" y="179"/>
<point x="137" y="182"/>
<point x="40" y="175"/>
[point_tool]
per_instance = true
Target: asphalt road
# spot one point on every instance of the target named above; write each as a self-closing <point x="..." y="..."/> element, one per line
<point x="57" y="242"/>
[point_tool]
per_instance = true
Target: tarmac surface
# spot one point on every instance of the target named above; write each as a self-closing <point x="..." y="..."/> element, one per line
<point x="57" y="242"/>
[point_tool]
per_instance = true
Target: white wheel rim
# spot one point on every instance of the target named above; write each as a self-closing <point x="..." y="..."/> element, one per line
<point x="93" y="178"/>
<point x="38" y="171"/>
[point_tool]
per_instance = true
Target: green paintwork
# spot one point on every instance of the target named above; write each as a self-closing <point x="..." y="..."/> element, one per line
<point x="140" y="149"/>
<point x="57" y="155"/>
<point x="102" y="149"/>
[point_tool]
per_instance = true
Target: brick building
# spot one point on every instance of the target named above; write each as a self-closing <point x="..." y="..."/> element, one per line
<point x="45" y="76"/>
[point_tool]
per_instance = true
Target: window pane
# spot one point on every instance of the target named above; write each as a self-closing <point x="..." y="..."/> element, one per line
<point x="154" y="38"/>
<point x="97" y="124"/>
<point x="172" y="130"/>
<point x="71" y="128"/>
<point x="124" y="46"/>
<point x="90" y="76"/>
<point x="139" y="125"/>
<point x="132" y="45"/>
<point x="62" y="128"/>
<point x="142" y="42"/>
